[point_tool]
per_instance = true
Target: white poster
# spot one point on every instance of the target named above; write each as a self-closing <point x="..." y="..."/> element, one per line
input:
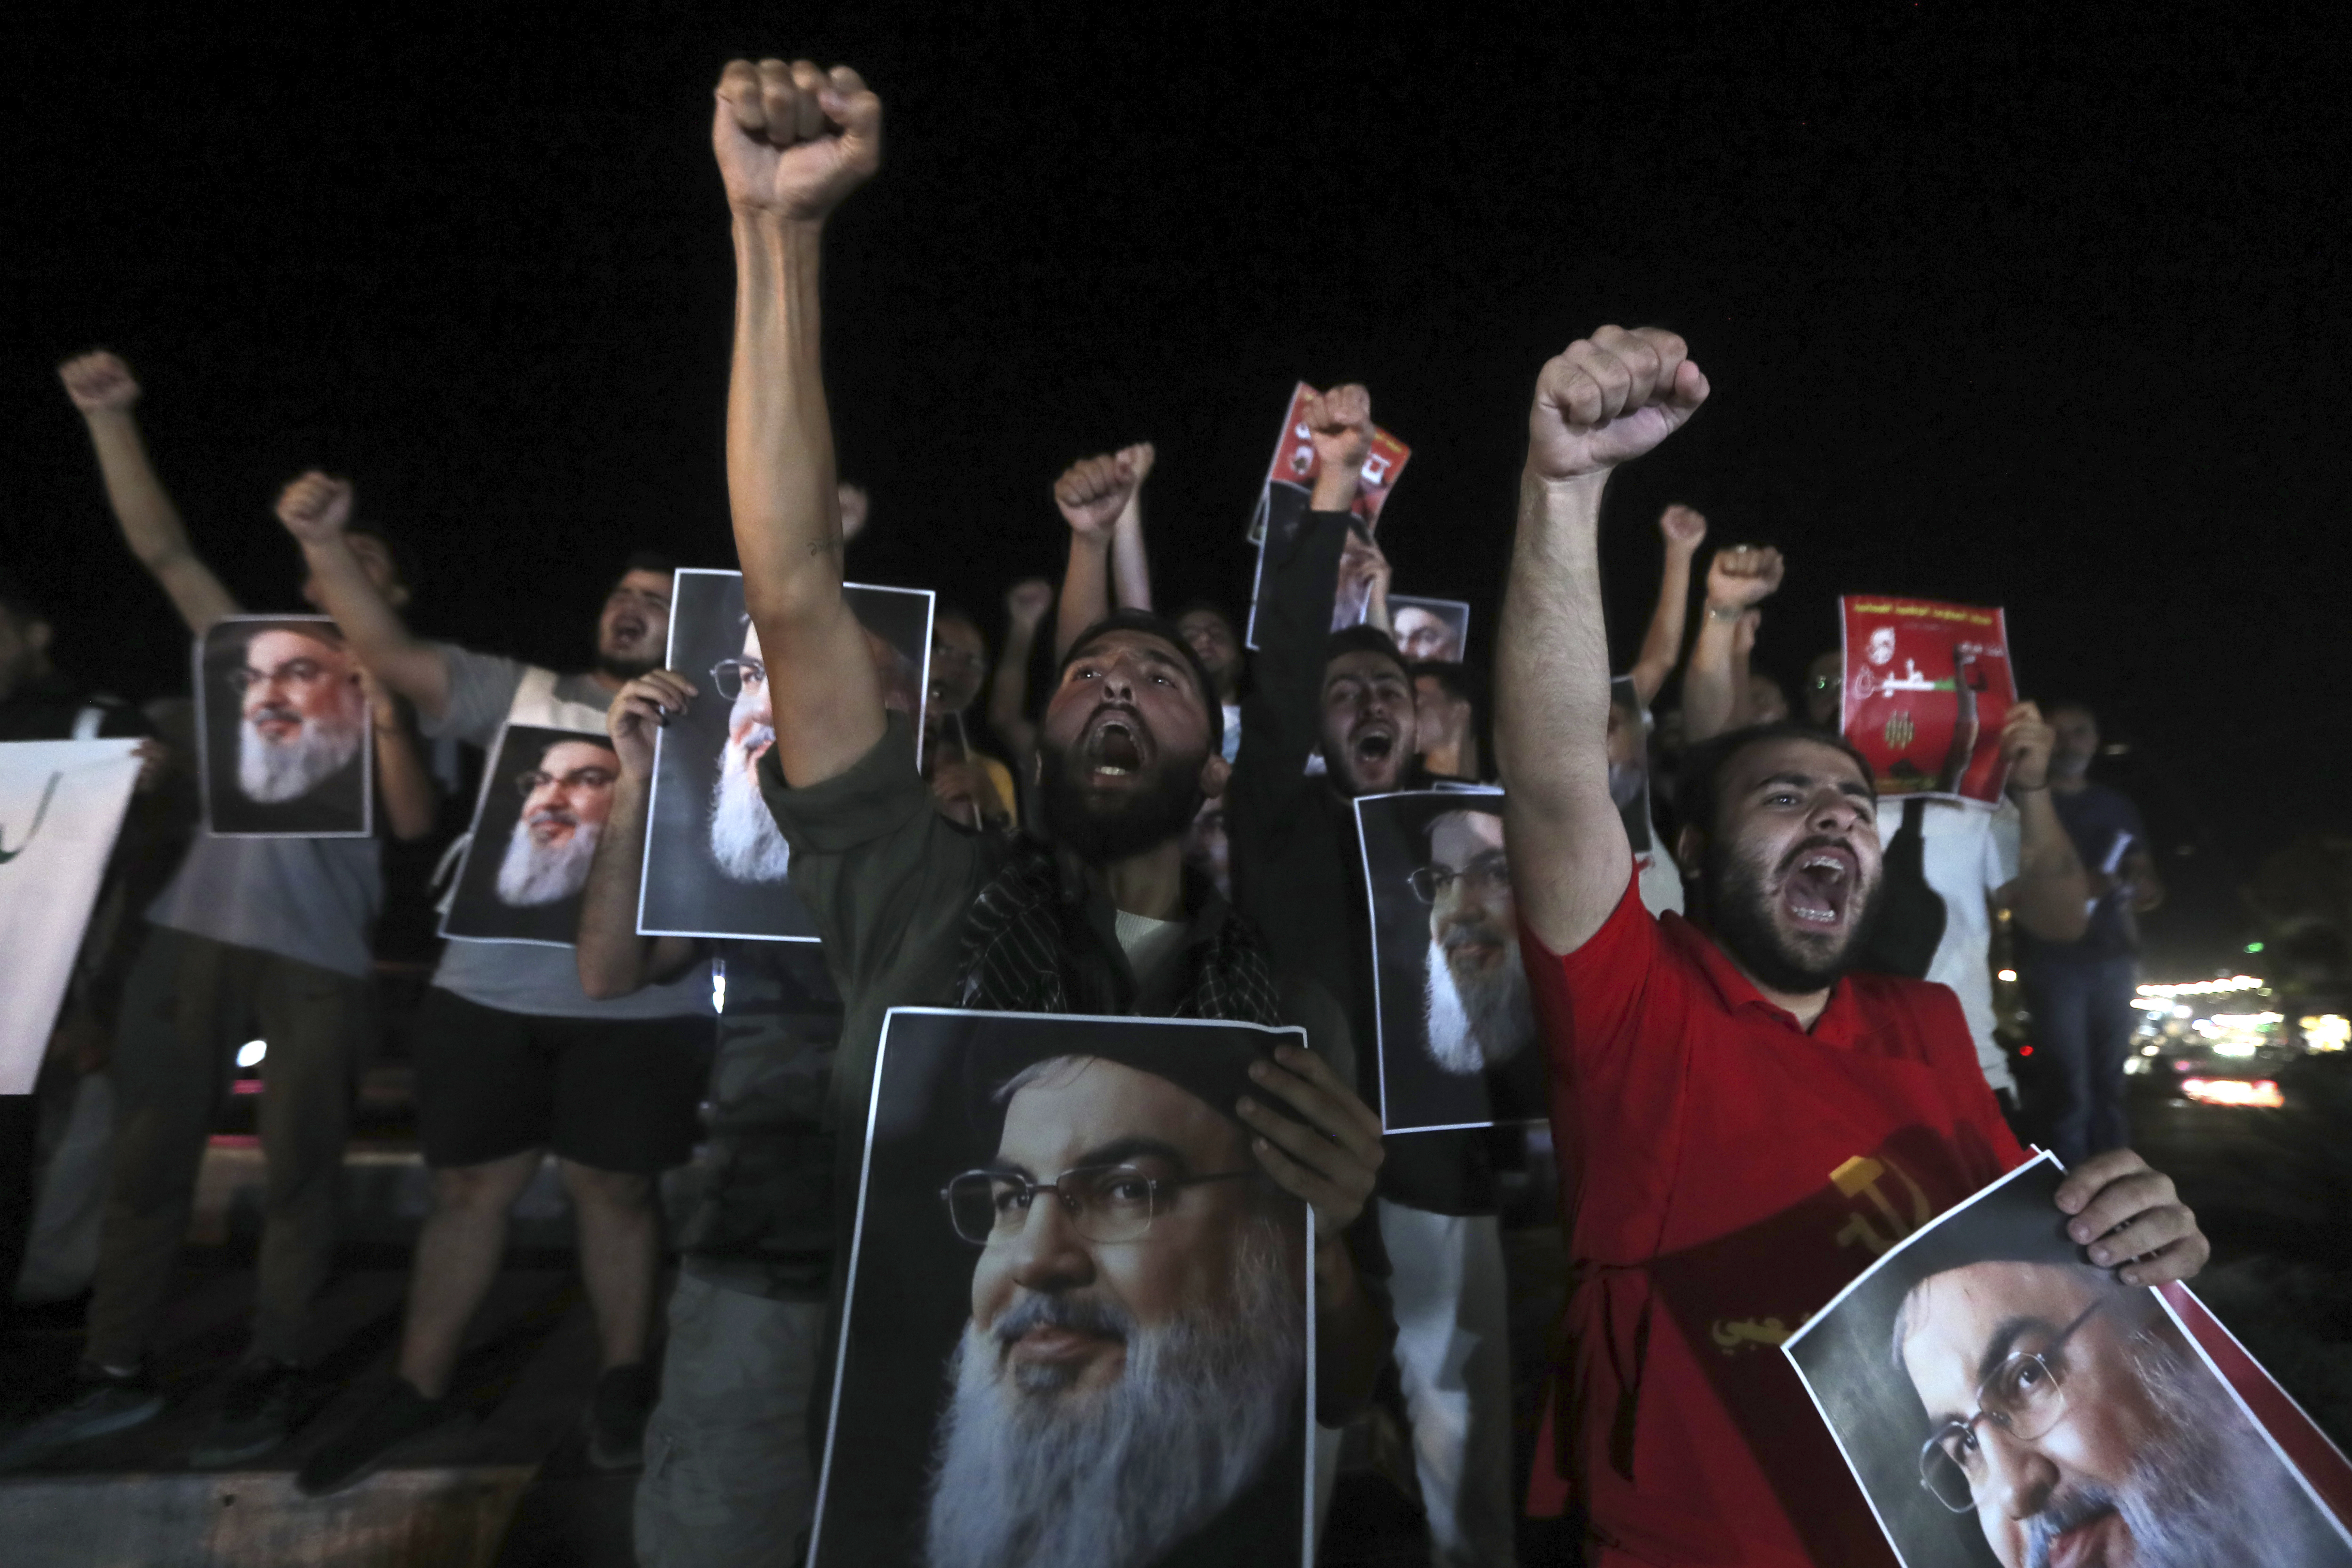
<point x="61" y="805"/>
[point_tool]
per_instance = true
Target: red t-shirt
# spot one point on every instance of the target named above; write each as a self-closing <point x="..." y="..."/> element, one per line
<point x="1725" y="1172"/>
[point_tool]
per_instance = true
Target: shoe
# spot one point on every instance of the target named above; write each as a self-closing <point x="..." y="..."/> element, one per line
<point x="256" y="1416"/>
<point x="102" y="1403"/>
<point x="616" y="1417"/>
<point x="364" y="1446"/>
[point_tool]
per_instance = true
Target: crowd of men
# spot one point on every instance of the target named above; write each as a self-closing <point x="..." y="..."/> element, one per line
<point x="1747" y="978"/>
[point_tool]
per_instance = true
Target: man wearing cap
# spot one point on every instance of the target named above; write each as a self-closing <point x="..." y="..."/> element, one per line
<point x="1746" y="1120"/>
<point x="1099" y="916"/>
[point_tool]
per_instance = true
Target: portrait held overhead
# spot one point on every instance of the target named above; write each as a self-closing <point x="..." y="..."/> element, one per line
<point x="1457" y="1028"/>
<point x="1079" y="1320"/>
<point x="1430" y="631"/>
<point x="716" y="864"/>
<point x="283" y="720"/>
<point x="2001" y="1399"/>
<point x="1287" y="494"/>
<point x="545" y="797"/>
<point x="1926" y="689"/>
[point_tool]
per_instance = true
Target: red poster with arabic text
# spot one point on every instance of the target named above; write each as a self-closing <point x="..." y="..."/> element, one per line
<point x="1928" y="686"/>
<point x="1295" y="461"/>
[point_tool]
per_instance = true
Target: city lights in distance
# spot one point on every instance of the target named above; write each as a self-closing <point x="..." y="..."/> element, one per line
<point x="249" y="1054"/>
<point x="2326" y="1031"/>
<point x="2262" y="1093"/>
<point x="2204" y="988"/>
<point x="2007" y="977"/>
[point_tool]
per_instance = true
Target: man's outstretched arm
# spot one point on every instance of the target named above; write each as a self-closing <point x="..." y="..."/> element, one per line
<point x="1609" y="398"/>
<point x="101" y="386"/>
<point x="1093" y="494"/>
<point x="1715" y="683"/>
<point x="317" y="509"/>
<point x="792" y="141"/>
<point x="1662" y="645"/>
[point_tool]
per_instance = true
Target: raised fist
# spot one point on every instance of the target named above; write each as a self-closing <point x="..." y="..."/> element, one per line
<point x="856" y="507"/>
<point x="1610" y="398"/>
<point x="99" y="382"/>
<point x="1684" y="528"/>
<point x="315" y="507"/>
<point x="1029" y="601"/>
<point x="1138" y="459"/>
<point x="1340" y="423"/>
<point x="2025" y="738"/>
<point x="793" y="139"/>
<point x="1093" y="491"/>
<point x="1742" y="575"/>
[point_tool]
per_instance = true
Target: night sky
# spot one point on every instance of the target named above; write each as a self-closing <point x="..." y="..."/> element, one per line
<point x="2035" y="310"/>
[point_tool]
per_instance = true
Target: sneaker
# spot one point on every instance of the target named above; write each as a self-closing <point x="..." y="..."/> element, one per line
<point x="256" y="1416"/>
<point x="616" y="1417"/>
<point x="102" y="1403"/>
<point x="361" y="1449"/>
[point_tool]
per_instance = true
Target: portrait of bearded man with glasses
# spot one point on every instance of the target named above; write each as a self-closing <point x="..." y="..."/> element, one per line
<point x="296" y="762"/>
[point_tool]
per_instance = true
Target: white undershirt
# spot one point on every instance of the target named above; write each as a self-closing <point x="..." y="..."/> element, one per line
<point x="1151" y="945"/>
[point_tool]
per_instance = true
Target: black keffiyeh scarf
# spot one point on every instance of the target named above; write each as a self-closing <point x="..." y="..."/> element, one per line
<point x="1029" y="947"/>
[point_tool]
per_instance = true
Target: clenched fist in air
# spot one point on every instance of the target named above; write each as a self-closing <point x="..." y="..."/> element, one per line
<point x="793" y="139"/>
<point x="99" y="382"/>
<point x="1340" y="422"/>
<point x="315" y="507"/>
<point x="1093" y="491"/>
<point x="1610" y="398"/>
<point x="1684" y="529"/>
<point x="1742" y="577"/>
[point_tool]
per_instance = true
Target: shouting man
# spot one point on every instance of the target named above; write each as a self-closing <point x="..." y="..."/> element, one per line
<point x="1734" y="1103"/>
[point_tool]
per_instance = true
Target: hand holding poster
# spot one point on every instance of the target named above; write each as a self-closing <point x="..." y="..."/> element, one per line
<point x="61" y="805"/>
<point x="1927" y="688"/>
<point x="715" y="862"/>
<point x="1078" y="1326"/>
<point x="282" y="726"/>
<point x="545" y="796"/>
<point x="1456" y="1025"/>
<point x="2001" y="1400"/>
<point x="1289" y="485"/>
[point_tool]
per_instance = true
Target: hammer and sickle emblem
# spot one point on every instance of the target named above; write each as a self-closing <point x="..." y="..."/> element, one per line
<point x="1859" y="1177"/>
<point x="39" y="812"/>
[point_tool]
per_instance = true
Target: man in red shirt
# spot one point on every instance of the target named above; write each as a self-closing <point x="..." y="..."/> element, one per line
<point x="1744" y="1125"/>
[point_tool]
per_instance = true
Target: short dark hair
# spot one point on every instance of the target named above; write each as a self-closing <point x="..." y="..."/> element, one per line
<point x="1152" y="625"/>
<point x="1208" y="607"/>
<point x="2070" y="705"/>
<point x="1365" y="639"/>
<point x="1697" y="791"/>
<point x="1455" y="680"/>
<point x="652" y="561"/>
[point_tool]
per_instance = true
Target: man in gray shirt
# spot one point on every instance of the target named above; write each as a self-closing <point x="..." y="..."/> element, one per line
<point x="254" y="937"/>
<point x="513" y="1058"/>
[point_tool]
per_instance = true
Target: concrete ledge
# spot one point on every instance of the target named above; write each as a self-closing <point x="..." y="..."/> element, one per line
<point x="448" y="1518"/>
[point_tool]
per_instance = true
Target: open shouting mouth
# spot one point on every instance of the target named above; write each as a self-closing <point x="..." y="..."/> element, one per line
<point x="1115" y="745"/>
<point x="1372" y="744"/>
<point x="1817" y="883"/>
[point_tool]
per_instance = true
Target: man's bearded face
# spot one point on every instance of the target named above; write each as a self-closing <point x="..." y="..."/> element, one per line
<point x="555" y="837"/>
<point x="304" y="715"/>
<point x="1792" y="871"/>
<point x="2150" y="1463"/>
<point x="1422" y="634"/>
<point x="1477" y="1009"/>
<point x="634" y="628"/>
<point x="1111" y="1400"/>
<point x="1124" y="750"/>
<point x="1368" y="722"/>
<point x="744" y="838"/>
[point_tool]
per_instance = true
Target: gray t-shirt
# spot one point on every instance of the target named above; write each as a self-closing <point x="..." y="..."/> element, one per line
<point x="311" y="899"/>
<point x="525" y="977"/>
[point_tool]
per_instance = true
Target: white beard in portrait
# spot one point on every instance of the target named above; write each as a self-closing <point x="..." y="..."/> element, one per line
<point x="1029" y="1473"/>
<point x="744" y="838"/>
<point x="534" y="873"/>
<point x="1482" y="1020"/>
<point x="272" y="770"/>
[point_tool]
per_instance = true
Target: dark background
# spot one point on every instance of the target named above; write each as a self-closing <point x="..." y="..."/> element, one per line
<point x="684" y="890"/>
<point x="2034" y="305"/>
<point x="221" y="716"/>
<point x="477" y="913"/>
<point x="910" y="1281"/>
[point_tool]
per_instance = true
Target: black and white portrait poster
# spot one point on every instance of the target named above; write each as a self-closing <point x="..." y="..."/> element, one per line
<point x="1629" y="762"/>
<point x="2002" y="1402"/>
<point x="715" y="862"/>
<point x="546" y="795"/>
<point x="1078" y="1326"/>
<point x="1429" y="629"/>
<point x="282" y="727"/>
<point x="1457" y="1026"/>
<point x="61" y="805"/>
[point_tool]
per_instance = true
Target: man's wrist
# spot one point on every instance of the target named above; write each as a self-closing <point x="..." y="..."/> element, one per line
<point x="1729" y="615"/>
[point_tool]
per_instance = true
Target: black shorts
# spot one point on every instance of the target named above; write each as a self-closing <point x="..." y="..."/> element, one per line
<point x="612" y="1094"/>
